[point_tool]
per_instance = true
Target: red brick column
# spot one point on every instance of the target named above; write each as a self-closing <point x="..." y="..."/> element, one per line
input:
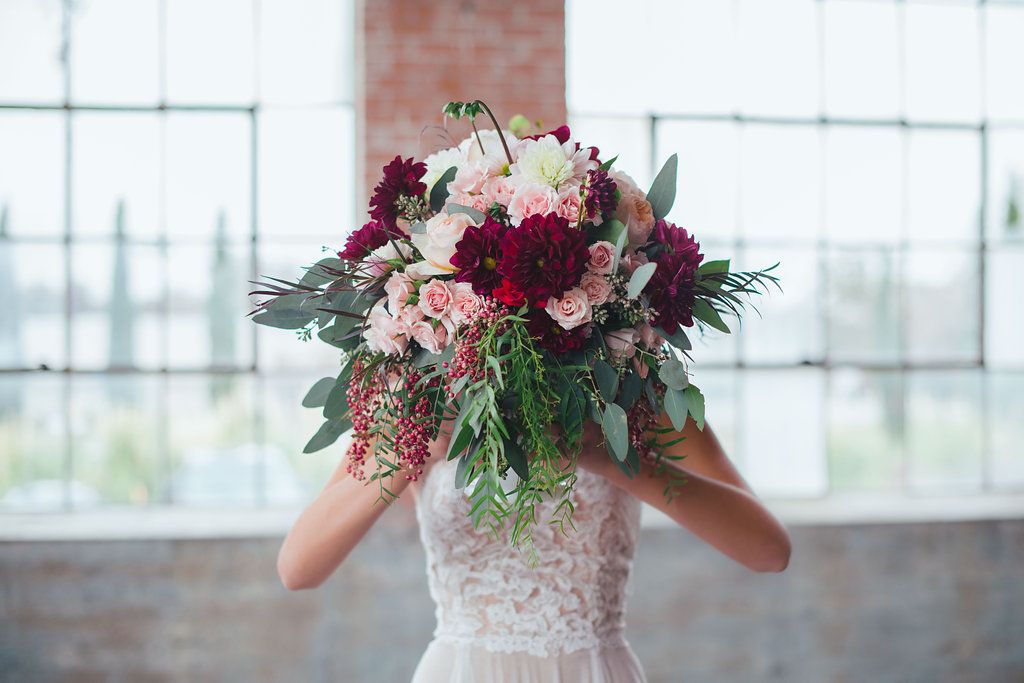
<point x="413" y="56"/>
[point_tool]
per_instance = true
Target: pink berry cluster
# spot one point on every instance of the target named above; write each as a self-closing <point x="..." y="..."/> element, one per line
<point x="641" y="418"/>
<point x="466" y="359"/>
<point x="364" y="397"/>
<point x="412" y="432"/>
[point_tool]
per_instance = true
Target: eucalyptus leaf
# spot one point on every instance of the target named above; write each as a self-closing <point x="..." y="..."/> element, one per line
<point x="316" y="276"/>
<point x="677" y="339"/>
<point x="327" y="434"/>
<point x="616" y="430"/>
<point x="336" y="404"/>
<point x="703" y="311"/>
<point x="439" y="193"/>
<point x="641" y="276"/>
<point x="673" y="374"/>
<point x="632" y="387"/>
<point x="609" y="231"/>
<point x="695" y="405"/>
<point x="607" y="379"/>
<point x="675" y="406"/>
<point x="288" y="312"/>
<point x="316" y="397"/>
<point x="475" y="216"/>
<point x="663" y="190"/>
<point x="418" y="228"/>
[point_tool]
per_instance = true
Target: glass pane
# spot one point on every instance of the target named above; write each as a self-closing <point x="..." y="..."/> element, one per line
<point x="788" y="329"/>
<point x="863" y="185"/>
<point x="944" y="430"/>
<point x="215" y="455"/>
<point x="282" y="348"/>
<point x="865" y="422"/>
<point x="32" y="171"/>
<point x="943" y="71"/>
<point x="32" y="318"/>
<point x="629" y="138"/>
<point x="208" y="304"/>
<point x="32" y="443"/>
<point x="1006" y="186"/>
<point x="721" y="389"/>
<point x="783" y="435"/>
<point x="781" y="182"/>
<point x="1004" y="53"/>
<point x="116" y="307"/>
<point x="1006" y="428"/>
<point x="306" y="172"/>
<point x="117" y="435"/>
<point x="1004" y="312"/>
<point x="695" y="39"/>
<point x="306" y="51"/>
<point x="30" y="37"/>
<point x="116" y="160"/>
<point x="210" y="52"/>
<point x="587" y="87"/>
<point x="708" y="178"/>
<point x="940" y="304"/>
<point x="288" y="426"/>
<point x="862" y="309"/>
<point x="944" y="186"/>
<point x="115" y="55"/>
<point x="208" y="173"/>
<point x="778" y="64"/>
<point x="861" y="82"/>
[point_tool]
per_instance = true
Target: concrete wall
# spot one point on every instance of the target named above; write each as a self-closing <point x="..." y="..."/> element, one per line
<point x="918" y="602"/>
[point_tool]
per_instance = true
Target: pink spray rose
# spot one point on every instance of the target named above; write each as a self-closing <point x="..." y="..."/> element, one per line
<point x="499" y="189"/>
<point x="602" y="257"/>
<point x="433" y="339"/>
<point x="571" y="310"/>
<point x="598" y="289"/>
<point x="435" y="299"/>
<point x="398" y="287"/>
<point x="465" y="303"/>
<point x="530" y="199"/>
<point x="568" y="206"/>
<point x="385" y="333"/>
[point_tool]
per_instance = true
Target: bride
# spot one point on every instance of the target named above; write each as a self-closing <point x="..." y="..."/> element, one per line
<point x="500" y="620"/>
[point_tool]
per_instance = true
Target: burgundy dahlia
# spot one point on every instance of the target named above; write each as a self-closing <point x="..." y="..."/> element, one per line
<point x="672" y="288"/>
<point x="550" y="335"/>
<point x="600" y="194"/>
<point x="367" y="238"/>
<point x="401" y="179"/>
<point x="543" y="256"/>
<point x="476" y="256"/>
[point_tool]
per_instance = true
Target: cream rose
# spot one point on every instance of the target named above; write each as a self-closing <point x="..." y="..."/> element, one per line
<point x="572" y="310"/>
<point x="437" y="243"/>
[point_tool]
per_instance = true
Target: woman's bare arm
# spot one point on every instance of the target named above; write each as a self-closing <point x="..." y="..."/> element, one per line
<point x="715" y="504"/>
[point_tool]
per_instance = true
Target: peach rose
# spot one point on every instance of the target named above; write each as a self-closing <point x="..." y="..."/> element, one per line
<point x="572" y="310"/>
<point x="602" y="257"/>
<point x="633" y="210"/>
<point x="530" y="199"/>
<point x="465" y="303"/>
<point x="598" y="289"/>
<point x="435" y="299"/>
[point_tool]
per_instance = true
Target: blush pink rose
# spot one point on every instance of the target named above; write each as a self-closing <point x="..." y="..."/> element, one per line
<point x="384" y="333"/>
<point x="465" y="303"/>
<point x="433" y="339"/>
<point x="473" y="201"/>
<point x="398" y="287"/>
<point x="530" y="199"/>
<point x="633" y="209"/>
<point x="630" y="261"/>
<point x="410" y="314"/>
<point x="572" y="310"/>
<point x="599" y="290"/>
<point x="499" y="189"/>
<point x="622" y="343"/>
<point x="468" y="179"/>
<point x="568" y="206"/>
<point x="651" y="339"/>
<point x="602" y="257"/>
<point x="435" y="299"/>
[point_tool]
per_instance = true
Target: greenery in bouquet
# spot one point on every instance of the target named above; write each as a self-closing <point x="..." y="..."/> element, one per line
<point x="507" y="291"/>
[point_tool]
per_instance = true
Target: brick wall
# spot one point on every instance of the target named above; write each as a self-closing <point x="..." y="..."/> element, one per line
<point x="412" y="57"/>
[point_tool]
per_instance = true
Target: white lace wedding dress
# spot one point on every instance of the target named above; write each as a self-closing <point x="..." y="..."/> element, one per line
<point x="501" y="621"/>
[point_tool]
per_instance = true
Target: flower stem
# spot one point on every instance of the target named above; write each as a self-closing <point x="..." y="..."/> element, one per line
<point x="477" y="134"/>
<point x="497" y="129"/>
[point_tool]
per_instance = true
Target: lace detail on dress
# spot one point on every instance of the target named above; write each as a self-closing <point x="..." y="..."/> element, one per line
<point x="487" y="595"/>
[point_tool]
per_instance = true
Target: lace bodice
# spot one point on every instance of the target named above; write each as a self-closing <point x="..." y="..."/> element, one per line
<point x="486" y="593"/>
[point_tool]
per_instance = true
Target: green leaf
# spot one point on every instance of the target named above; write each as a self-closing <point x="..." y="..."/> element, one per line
<point x="620" y="244"/>
<point x="327" y="434"/>
<point x="677" y="339"/>
<point x="703" y="311"/>
<point x="673" y="374"/>
<point x="316" y="397"/>
<point x="695" y="405"/>
<point x="463" y="429"/>
<point x="616" y="430"/>
<point x="464" y="469"/>
<point x="336" y="404"/>
<point x="609" y="231"/>
<point x="641" y="276"/>
<point x="607" y="380"/>
<point x="572" y="407"/>
<point x="632" y="387"/>
<point x="289" y="312"/>
<point x="439" y="193"/>
<point x="608" y="164"/>
<point x="475" y="216"/>
<point x="714" y="267"/>
<point x="675" y="406"/>
<point x="316" y="276"/>
<point x="516" y="457"/>
<point x="663" y="190"/>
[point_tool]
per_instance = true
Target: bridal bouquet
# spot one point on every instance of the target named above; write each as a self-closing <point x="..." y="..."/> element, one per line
<point x="509" y="289"/>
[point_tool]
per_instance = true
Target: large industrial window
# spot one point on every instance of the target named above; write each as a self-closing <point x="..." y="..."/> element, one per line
<point x="876" y="149"/>
<point x="154" y="156"/>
